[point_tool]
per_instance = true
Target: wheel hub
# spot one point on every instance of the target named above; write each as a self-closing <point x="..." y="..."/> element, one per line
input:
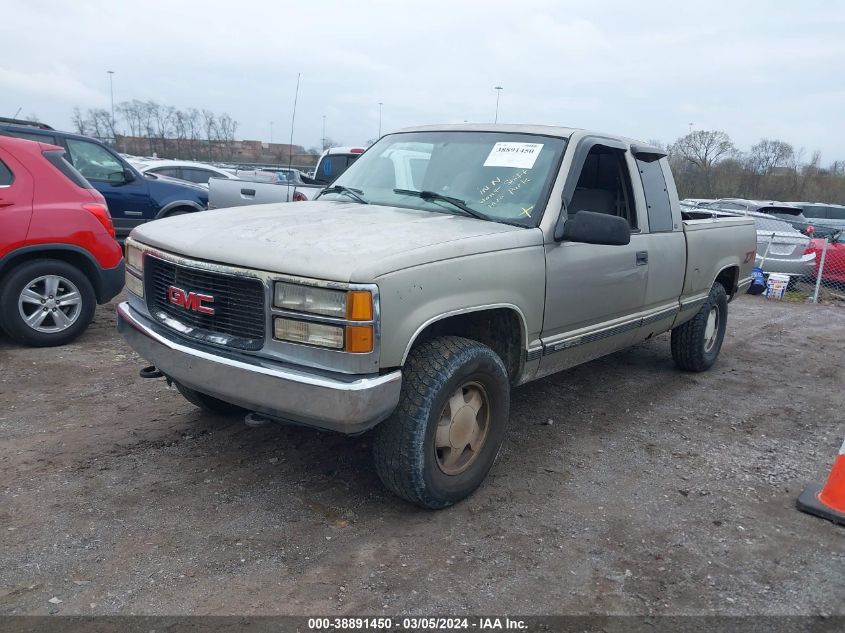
<point x="711" y="329"/>
<point x="50" y="304"/>
<point x="462" y="428"/>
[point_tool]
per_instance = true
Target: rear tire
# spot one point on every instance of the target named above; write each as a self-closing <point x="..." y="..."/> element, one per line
<point x="696" y="343"/>
<point x="444" y="436"/>
<point x="46" y="302"/>
<point x="209" y="403"/>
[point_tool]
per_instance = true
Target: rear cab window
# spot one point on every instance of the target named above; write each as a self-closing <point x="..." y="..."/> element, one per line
<point x="333" y="165"/>
<point x="656" y="196"/>
<point x="6" y="175"/>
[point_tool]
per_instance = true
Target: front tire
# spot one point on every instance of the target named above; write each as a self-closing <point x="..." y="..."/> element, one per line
<point x="444" y="436"/>
<point x="696" y="343"/>
<point x="46" y="302"/>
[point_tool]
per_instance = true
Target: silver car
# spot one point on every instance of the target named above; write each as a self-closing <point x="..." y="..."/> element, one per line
<point x="782" y="245"/>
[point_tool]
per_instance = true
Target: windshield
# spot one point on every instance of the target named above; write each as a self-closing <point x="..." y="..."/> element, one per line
<point x="503" y="177"/>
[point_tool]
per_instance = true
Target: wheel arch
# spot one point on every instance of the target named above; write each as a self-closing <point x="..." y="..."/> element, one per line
<point x="729" y="278"/>
<point x="484" y="324"/>
<point x="73" y="255"/>
<point x="178" y="204"/>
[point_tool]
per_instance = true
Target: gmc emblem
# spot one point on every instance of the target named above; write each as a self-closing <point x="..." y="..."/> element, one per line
<point x="190" y="300"/>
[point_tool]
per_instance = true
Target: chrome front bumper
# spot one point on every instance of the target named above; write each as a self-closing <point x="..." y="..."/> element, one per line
<point x="337" y="402"/>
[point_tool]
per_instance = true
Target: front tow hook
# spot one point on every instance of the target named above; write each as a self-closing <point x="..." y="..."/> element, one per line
<point x="150" y="372"/>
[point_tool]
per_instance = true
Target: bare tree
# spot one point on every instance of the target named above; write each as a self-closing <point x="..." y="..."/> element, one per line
<point x="768" y="155"/>
<point x="79" y="122"/>
<point x="209" y="121"/>
<point x="226" y="127"/>
<point x="704" y="148"/>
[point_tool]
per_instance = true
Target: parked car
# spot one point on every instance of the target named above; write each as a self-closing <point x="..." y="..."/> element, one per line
<point x="525" y="250"/>
<point x="834" y="260"/>
<point x="237" y="193"/>
<point x="197" y="173"/>
<point x="334" y="161"/>
<point x="783" y="246"/>
<point x="58" y="254"/>
<point x="829" y="216"/>
<point x="133" y="198"/>
<point x="696" y="202"/>
<point x="406" y="167"/>
<point x="782" y="210"/>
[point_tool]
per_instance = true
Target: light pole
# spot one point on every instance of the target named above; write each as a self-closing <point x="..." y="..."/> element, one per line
<point x="111" y="93"/>
<point x="271" y="132"/>
<point x="690" y="127"/>
<point x="379" y="118"/>
<point x="324" y="132"/>
<point x="498" y="90"/>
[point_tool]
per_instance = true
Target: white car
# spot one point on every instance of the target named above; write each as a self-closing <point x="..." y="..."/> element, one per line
<point x="198" y="173"/>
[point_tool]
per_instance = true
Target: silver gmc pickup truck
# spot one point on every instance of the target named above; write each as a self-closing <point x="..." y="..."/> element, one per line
<point x="446" y="265"/>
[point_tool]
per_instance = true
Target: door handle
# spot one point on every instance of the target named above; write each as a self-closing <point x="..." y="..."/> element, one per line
<point x="248" y="192"/>
<point x="642" y="258"/>
<point x="6" y="203"/>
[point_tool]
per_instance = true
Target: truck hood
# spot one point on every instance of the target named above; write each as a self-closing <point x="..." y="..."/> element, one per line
<point x="334" y="241"/>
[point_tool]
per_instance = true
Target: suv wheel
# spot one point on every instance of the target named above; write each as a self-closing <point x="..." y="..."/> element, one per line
<point x="46" y="302"/>
<point x="444" y="436"/>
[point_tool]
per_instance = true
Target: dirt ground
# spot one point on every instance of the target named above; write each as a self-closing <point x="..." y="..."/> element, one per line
<point x="651" y="491"/>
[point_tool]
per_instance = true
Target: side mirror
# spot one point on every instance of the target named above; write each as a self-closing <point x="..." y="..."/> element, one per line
<point x="128" y="175"/>
<point x="590" y="227"/>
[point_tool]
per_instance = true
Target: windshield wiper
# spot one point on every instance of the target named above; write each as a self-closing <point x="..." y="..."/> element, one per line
<point x="433" y="195"/>
<point x="355" y="194"/>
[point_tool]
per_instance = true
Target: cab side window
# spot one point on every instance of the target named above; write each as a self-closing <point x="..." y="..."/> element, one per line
<point x="656" y="196"/>
<point x="604" y="185"/>
<point x="6" y="175"/>
<point x="170" y="172"/>
<point x="95" y="162"/>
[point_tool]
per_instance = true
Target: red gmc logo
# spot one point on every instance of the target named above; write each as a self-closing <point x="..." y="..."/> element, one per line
<point x="190" y="300"/>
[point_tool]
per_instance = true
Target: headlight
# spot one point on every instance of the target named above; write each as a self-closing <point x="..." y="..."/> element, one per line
<point x="354" y="306"/>
<point x="308" y="333"/>
<point x="134" y="285"/>
<point x="135" y="258"/>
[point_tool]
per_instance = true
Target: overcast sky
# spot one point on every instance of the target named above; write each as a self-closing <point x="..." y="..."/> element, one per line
<point x="644" y="69"/>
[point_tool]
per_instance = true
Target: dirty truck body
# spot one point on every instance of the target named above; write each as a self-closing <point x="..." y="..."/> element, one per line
<point x="381" y="306"/>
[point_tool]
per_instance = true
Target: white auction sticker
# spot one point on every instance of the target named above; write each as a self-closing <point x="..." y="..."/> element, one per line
<point x="519" y="155"/>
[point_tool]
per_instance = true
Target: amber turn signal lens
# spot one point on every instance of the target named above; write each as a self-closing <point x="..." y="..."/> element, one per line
<point x="359" y="306"/>
<point x="359" y="338"/>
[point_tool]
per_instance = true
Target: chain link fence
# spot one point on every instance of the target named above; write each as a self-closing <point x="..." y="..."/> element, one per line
<point x="805" y="259"/>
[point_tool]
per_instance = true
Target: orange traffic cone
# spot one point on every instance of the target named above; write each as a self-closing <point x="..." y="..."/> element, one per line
<point x="827" y="502"/>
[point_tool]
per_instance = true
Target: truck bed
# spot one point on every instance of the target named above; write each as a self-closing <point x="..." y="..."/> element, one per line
<point x="712" y="246"/>
<point x="223" y="193"/>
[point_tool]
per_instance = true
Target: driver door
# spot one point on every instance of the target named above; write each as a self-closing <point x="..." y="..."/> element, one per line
<point x="128" y="200"/>
<point x="594" y="293"/>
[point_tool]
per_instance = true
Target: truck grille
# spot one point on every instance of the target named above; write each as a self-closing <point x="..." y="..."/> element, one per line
<point x="239" y="313"/>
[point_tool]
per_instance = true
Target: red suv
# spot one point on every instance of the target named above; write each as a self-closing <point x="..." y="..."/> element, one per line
<point x="58" y="254"/>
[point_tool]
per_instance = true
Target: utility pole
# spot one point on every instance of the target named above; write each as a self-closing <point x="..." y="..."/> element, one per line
<point x="111" y="93"/>
<point x="379" y="118"/>
<point x="324" y="133"/>
<point x="498" y="90"/>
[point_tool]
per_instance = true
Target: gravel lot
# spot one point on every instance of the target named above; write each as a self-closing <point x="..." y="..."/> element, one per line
<point x="650" y="491"/>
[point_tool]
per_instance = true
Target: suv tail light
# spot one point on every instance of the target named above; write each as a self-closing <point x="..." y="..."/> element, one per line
<point x="298" y="196"/>
<point x="101" y="212"/>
